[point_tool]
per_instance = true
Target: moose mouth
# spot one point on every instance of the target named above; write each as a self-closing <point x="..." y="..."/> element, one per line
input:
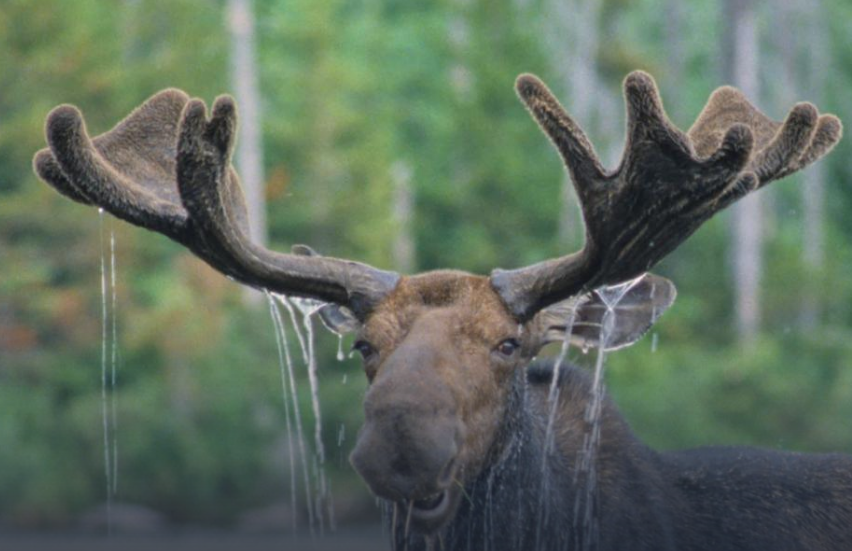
<point x="432" y="512"/>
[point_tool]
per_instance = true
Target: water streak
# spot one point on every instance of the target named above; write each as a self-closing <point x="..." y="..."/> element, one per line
<point x="296" y="328"/>
<point x="104" y="378"/>
<point x="585" y="507"/>
<point x="284" y="350"/>
<point x="283" y="360"/>
<point x="549" y="433"/>
<point x="114" y="361"/>
<point x="341" y="435"/>
<point x="586" y="530"/>
<point x="308" y="308"/>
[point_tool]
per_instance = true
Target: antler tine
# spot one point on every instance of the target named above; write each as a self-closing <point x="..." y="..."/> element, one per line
<point x="782" y="148"/>
<point x="132" y="185"/>
<point x="167" y="168"/>
<point x="647" y="120"/>
<point x="569" y="139"/>
<point x="48" y="169"/>
<point x="667" y="183"/>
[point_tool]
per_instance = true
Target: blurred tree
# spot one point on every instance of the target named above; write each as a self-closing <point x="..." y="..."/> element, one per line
<point x="573" y="42"/>
<point x="815" y="73"/>
<point x="741" y="68"/>
<point x="249" y="150"/>
<point x="403" y="212"/>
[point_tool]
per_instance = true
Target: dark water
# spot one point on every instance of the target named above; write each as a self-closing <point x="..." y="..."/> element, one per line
<point x="365" y="539"/>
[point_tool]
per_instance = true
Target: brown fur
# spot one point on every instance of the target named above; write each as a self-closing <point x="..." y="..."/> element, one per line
<point x="448" y="309"/>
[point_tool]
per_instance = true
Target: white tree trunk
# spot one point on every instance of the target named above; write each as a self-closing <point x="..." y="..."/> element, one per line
<point x="403" y="210"/>
<point x="249" y="152"/>
<point x="813" y="186"/>
<point x="249" y="149"/>
<point x="748" y="213"/>
<point x="572" y="34"/>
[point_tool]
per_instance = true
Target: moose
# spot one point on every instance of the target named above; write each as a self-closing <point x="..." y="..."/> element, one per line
<point x="458" y="410"/>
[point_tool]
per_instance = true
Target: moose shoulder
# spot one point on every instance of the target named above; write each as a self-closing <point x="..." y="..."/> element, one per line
<point x="472" y="443"/>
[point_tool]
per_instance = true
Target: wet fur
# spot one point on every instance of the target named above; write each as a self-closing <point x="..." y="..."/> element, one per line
<point x="704" y="499"/>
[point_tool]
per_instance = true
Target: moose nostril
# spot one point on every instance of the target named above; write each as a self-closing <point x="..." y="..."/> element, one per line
<point x="448" y="473"/>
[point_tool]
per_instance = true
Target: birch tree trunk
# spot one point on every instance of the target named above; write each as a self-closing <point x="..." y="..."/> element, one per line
<point x="675" y="52"/>
<point x="741" y="69"/>
<point x="249" y="152"/>
<point x="573" y="28"/>
<point x="801" y="57"/>
<point x="249" y="149"/>
<point x="403" y="247"/>
<point x="813" y="186"/>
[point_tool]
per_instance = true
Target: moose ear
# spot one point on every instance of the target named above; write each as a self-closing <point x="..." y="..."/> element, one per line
<point x="338" y="319"/>
<point x="642" y="304"/>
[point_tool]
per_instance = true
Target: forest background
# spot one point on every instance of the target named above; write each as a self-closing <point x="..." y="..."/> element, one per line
<point x="388" y="131"/>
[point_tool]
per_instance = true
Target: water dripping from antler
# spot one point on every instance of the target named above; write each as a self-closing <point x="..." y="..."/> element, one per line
<point x="109" y="359"/>
<point x="586" y="531"/>
<point x="285" y="363"/>
<point x="308" y="308"/>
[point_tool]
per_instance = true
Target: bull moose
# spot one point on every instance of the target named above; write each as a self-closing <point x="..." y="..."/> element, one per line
<point x="458" y="412"/>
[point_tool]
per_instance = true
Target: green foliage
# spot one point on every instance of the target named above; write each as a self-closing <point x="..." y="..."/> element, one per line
<point x="350" y="88"/>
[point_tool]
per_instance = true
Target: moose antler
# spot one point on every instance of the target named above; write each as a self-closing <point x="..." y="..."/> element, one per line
<point x="667" y="184"/>
<point x="167" y="168"/>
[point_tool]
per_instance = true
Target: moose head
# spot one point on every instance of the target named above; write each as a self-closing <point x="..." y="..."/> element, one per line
<point x="441" y="349"/>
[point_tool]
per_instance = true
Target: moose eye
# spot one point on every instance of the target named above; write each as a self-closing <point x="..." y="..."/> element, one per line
<point x="364" y="348"/>
<point x="508" y="347"/>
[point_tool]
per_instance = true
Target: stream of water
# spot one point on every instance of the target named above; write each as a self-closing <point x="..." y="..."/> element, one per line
<point x="586" y="529"/>
<point x="285" y="364"/>
<point x="319" y="502"/>
<point x="288" y="383"/>
<point x="109" y="361"/>
<point x="585" y="526"/>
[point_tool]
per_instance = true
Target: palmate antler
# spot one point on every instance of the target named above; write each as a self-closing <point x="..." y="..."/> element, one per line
<point x="667" y="184"/>
<point x="166" y="168"/>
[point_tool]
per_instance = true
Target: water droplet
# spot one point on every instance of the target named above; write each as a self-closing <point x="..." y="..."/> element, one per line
<point x="340" y="356"/>
<point x="345" y="379"/>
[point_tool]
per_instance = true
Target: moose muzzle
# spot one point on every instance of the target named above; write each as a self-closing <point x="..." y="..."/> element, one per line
<point x="411" y="436"/>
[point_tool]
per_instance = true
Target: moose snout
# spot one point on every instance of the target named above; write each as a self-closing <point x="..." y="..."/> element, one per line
<point x="405" y="452"/>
